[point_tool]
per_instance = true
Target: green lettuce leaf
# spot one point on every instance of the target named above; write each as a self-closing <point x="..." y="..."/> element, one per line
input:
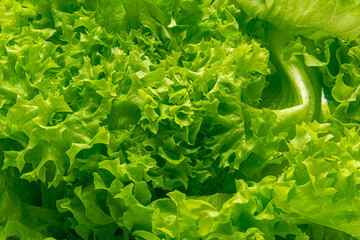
<point x="193" y="119"/>
<point x="313" y="19"/>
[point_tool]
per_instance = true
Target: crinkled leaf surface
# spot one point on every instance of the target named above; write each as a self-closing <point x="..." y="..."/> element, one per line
<point x="193" y="119"/>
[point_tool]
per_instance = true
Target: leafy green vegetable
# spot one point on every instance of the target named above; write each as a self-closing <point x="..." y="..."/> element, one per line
<point x="181" y="119"/>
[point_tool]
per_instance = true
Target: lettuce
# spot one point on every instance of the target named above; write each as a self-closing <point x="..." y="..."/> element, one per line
<point x="194" y="119"/>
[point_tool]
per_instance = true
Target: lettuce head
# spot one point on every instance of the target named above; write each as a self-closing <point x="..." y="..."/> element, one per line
<point x="180" y="119"/>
